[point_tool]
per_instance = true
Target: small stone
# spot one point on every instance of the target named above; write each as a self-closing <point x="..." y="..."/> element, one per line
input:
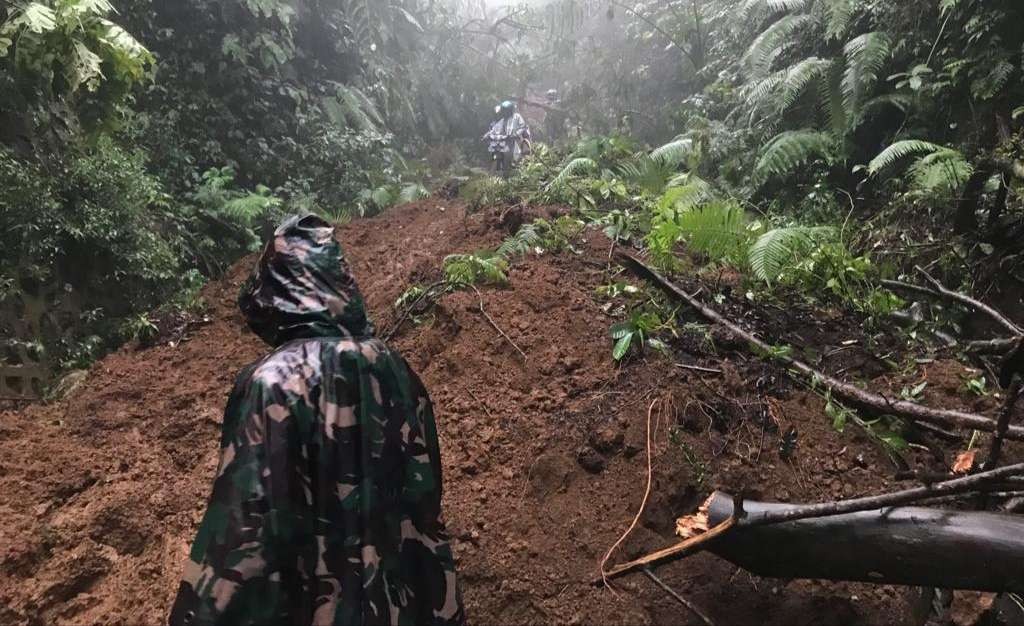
<point x="606" y="438"/>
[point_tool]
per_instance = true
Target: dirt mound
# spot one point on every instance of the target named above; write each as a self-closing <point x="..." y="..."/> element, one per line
<point x="543" y="457"/>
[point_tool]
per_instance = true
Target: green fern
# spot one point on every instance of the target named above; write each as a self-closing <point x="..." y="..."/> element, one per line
<point x="865" y="57"/>
<point x="790" y="150"/>
<point x="899" y="151"/>
<point x="351" y="108"/>
<point x="770" y="43"/>
<point x="798" y="78"/>
<point x="830" y="94"/>
<point x="942" y="172"/>
<point x="675" y="152"/>
<point x="991" y="85"/>
<point x="526" y="240"/>
<point x="412" y="192"/>
<point x="648" y="173"/>
<point x="840" y="14"/>
<point x="772" y="6"/>
<point x="576" y="167"/>
<point x="250" y="206"/>
<point x="677" y="199"/>
<point x="772" y="251"/>
<point x="718" y="229"/>
<point x="757" y="93"/>
<point x="473" y="269"/>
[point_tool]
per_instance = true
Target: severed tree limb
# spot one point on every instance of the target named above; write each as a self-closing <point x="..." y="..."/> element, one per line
<point x="906" y="546"/>
<point x="991" y="346"/>
<point x="970" y="302"/>
<point x="1003" y="423"/>
<point x="685" y="548"/>
<point x="966" y="484"/>
<point x="743" y="516"/>
<point x="845" y="391"/>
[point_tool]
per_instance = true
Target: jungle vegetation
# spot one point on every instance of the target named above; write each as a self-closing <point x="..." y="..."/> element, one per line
<point x="816" y="146"/>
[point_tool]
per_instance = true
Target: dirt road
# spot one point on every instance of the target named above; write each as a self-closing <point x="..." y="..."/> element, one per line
<point x="544" y="458"/>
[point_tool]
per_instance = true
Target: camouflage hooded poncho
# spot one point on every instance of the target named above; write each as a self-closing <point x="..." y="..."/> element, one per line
<point x="326" y="508"/>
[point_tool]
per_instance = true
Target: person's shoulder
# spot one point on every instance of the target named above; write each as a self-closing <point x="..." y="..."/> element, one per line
<point x="297" y="358"/>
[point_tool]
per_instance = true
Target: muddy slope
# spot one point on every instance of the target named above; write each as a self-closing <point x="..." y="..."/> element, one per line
<point x="544" y="457"/>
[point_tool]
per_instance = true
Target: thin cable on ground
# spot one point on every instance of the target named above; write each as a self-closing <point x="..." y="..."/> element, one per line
<point x="691" y="607"/>
<point x="643" y="503"/>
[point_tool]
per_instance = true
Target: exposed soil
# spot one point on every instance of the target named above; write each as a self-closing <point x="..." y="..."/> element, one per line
<point x="544" y="458"/>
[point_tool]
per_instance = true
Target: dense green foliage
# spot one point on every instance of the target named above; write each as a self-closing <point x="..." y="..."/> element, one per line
<point x="144" y="144"/>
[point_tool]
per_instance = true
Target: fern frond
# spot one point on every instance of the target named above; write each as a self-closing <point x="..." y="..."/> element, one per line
<point x="678" y="199"/>
<point x="247" y="208"/>
<point x="944" y="172"/>
<point x="772" y="6"/>
<point x="527" y="239"/>
<point x="718" y="229"/>
<point x="830" y="94"/>
<point x="412" y="192"/>
<point x="649" y="174"/>
<point x="351" y="108"/>
<point x="898" y="151"/>
<point x="992" y="84"/>
<point x="790" y="150"/>
<point x="839" y="14"/>
<point x="798" y="78"/>
<point x="674" y="152"/>
<point x="772" y="251"/>
<point x="757" y="93"/>
<point x="575" y="167"/>
<point x="472" y="269"/>
<point x="770" y="43"/>
<point x="865" y="57"/>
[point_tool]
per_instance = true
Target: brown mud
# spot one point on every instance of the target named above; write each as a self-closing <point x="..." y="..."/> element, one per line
<point x="544" y="458"/>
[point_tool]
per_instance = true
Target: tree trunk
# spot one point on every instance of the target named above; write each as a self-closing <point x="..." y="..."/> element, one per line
<point x="901" y="546"/>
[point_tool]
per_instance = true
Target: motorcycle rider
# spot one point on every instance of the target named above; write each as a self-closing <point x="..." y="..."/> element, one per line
<point x="509" y="137"/>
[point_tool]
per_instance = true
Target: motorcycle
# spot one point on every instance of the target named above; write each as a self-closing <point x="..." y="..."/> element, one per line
<point x="502" y="148"/>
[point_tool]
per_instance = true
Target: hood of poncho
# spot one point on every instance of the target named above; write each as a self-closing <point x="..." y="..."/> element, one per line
<point x="302" y="287"/>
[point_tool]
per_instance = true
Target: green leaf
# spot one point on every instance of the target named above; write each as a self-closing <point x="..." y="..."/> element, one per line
<point x="38" y="18"/>
<point x="790" y="150"/>
<point x="575" y="167"/>
<point x="899" y="151"/>
<point x="865" y="57"/>
<point x="769" y="44"/>
<point x="622" y="347"/>
<point x="86" y="68"/>
<point x="776" y="248"/>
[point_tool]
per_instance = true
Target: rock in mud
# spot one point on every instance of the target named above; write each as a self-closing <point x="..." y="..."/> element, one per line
<point x="607" y="438"/>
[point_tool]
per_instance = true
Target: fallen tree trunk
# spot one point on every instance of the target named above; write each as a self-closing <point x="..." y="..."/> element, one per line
<point x="851" y="394"/>
<point x="900" y="546"/>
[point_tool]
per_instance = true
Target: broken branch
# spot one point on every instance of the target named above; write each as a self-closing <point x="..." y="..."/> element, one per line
<point x="845" y="391"/>
<point x="904" y="546"/>
<point x="1003" y="423"/>
<point x="887" y="500"/>
<point x="672" y="553"/>
<point x="970" y="302"/>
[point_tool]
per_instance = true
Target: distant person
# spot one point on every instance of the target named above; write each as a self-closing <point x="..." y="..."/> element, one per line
<point x="555" y="118"/>
<point x="509" y="137"/>
<point x="326" y="508"/>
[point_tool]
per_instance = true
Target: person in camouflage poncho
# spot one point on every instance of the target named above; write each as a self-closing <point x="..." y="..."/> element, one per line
<point x="326" y="508"/>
